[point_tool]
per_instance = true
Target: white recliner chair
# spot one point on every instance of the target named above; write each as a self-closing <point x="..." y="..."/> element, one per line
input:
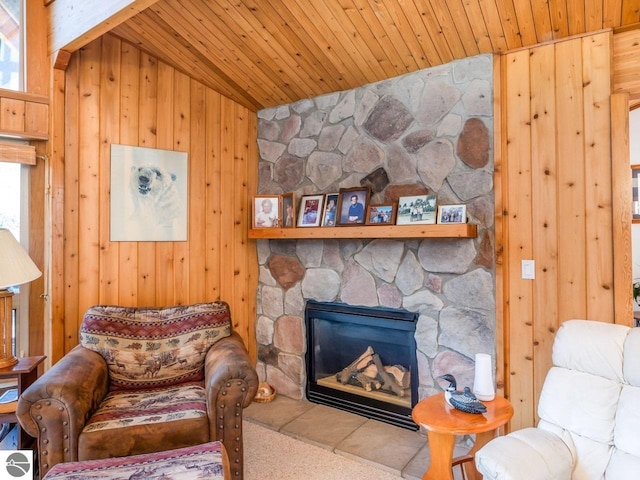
<point x="589" y="412"/>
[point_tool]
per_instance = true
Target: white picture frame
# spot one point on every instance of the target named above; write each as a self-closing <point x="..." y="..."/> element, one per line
<point x="149" y="191"/>
<point x="310" y="213"/>
<point x="450" y="214"/>
<point x="266" y="211"/>
<point x="416" y="210"/>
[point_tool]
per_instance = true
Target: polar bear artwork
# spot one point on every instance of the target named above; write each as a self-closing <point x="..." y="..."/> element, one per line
<point x="154" y="194"/>
<point x="148" y="194"/>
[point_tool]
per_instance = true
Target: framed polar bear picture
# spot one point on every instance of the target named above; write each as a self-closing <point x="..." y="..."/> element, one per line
<point x="148" y="194"/>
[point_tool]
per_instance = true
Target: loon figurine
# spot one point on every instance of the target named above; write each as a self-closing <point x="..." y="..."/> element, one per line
<point x="464" y="401"/>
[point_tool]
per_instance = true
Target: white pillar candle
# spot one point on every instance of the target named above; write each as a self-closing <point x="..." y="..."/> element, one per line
<point x="483" y="382"/>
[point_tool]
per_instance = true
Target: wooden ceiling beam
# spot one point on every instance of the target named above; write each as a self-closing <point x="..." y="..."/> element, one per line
<point x="75" y="23"/>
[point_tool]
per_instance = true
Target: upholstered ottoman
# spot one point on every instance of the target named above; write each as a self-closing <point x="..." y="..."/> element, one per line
<point x="208" y="460"/>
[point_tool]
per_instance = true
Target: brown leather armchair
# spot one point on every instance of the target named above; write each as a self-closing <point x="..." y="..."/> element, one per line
<point x="142" y="381"/>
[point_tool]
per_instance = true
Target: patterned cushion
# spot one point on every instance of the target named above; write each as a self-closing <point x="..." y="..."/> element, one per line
<point x="127" y="409"/>
<point x="200" y="461"/>
<point x="153" y="347"/>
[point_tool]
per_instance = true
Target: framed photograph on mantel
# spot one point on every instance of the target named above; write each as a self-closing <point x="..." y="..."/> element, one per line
<point x="288" y="210"/>
<point x="330" y="209"/>
<point x="310" y="211"/>
<point x="416" y="210"/>
<point x="452" y="214"/>
<point x="352" y="206"/>
<point x="266" y="211"/>
<point x="381" y="214"/>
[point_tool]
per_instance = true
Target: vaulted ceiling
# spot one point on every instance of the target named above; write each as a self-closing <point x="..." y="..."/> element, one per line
<point x="264" y="53"/>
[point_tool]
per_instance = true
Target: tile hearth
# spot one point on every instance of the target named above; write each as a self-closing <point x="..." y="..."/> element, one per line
<point x="397" y="450"/>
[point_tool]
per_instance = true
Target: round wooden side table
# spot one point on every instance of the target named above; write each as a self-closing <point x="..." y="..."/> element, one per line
<point x="443" y="423"/>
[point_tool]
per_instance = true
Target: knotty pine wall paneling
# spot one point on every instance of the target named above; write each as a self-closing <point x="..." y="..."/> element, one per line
<point x="129" y="94"/>
<point x="115" y="93"/>
<point x="556" y="177"/>
<point x="55" y="250"/>
<point x="622" y="205"/>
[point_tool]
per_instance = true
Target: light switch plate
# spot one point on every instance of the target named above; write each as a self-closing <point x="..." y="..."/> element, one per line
<point x="528" y="269"/>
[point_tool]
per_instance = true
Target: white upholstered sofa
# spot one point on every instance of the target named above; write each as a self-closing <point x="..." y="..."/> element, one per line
<point x="589" y="412"/>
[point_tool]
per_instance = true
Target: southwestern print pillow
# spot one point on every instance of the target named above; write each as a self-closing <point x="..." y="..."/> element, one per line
<point x="154" y="347"/>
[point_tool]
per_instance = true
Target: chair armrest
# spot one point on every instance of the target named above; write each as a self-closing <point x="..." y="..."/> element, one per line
<point x="231" y="383"/>
<point x="541" y="454"/>
<point x="228" y="360"/>
<point x="56" y="406"/>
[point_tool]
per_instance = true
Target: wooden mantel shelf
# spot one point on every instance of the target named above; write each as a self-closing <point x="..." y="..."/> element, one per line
<point x="464" y="230"/>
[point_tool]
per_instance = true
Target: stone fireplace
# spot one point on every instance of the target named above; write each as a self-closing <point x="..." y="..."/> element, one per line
<point x="362" y="360"/>
<point x="424" y="132"/>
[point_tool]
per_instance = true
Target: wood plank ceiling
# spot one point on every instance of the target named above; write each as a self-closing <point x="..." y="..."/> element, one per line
<point x="263" y="53"/>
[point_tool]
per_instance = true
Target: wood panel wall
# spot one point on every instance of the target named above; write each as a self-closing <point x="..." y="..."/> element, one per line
<point x="626" y="58"/>
<point x="114" y="93"/>
<point x="24" y="115"/>
<point x="556" y="203"/>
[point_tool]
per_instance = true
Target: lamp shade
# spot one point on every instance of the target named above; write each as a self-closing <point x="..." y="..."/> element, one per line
<point x="16" y="267"/>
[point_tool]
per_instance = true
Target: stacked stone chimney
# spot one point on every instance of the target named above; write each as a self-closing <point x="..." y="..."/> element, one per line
<point x="424" y="132"/>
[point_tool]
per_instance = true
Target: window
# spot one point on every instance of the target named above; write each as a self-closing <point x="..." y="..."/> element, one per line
<point x="11" y="214"/>
<point x="11" y="44"/>
<point x="10" y="197"/>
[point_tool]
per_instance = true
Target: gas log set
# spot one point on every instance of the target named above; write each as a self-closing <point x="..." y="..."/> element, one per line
<point x="368" y="372"/>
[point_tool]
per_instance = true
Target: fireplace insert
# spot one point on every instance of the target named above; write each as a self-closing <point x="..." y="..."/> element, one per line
<point x="362" y="360"/>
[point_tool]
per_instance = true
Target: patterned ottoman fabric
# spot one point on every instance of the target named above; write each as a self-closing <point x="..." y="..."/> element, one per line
<point x="191" y="463"/>
<point x="120" y="409"/>
<point x="153" y="347"/>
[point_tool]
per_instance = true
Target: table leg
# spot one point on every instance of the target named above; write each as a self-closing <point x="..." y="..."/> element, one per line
<point x="441" y="448"/>
<point x="481" y="440"/>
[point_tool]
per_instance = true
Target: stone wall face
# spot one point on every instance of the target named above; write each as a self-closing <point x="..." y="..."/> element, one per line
<point x="425" y="132"/>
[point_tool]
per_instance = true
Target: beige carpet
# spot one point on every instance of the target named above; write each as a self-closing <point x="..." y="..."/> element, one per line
<point x="269" y="455"/>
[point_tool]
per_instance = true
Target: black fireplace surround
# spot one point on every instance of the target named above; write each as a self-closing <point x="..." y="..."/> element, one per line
<point x="337" y="334"/>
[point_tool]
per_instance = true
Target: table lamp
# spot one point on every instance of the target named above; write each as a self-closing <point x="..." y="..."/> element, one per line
<point x="16" y="268"/>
